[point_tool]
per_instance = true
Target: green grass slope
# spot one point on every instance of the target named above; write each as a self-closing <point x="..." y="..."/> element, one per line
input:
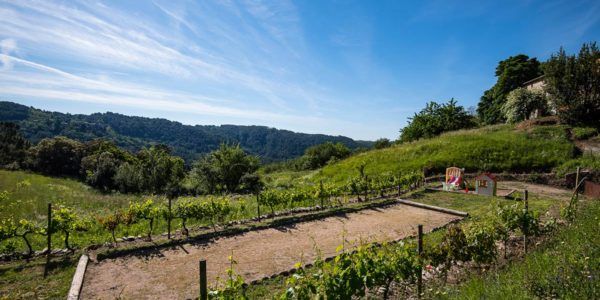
<point x="494" y="148"/>
<point x="565" y="267"/>
<point x="27" y="195"/>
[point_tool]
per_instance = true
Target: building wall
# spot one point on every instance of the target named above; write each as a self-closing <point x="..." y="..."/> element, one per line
<point x="538" y="85"/>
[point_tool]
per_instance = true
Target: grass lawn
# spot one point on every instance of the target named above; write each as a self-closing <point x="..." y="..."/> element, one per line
<point x="25" y="280"/>
<point x="477" y="206"/>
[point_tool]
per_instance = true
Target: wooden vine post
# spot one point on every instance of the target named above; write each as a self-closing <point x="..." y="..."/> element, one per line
<point x="49" y="233"/>
<point x="258" y="204"/>
<point x="49" y="239"/>
<point x="526" y="220"/>
<point x="420" y="253"/>
<point x="169" y="220"/>
<point x="321" y="193"/>
<point x="203" y="285"/>
<point x="576" y="180"/>
<point x="366" y="187"/>
<point x="576" y="191"/>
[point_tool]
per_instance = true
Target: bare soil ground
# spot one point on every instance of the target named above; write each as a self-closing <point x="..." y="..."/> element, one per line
<point x="538" y="189"/>
<point x="173" y="273"/>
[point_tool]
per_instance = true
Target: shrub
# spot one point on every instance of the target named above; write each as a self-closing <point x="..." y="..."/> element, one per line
<point x="436" y="118"/>
<point x="521" y="103"/>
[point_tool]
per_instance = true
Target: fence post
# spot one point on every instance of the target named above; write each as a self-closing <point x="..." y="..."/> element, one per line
<point x="203" y="289"/>
<point x="258" y="204"/>
<point x="169" y="221"/>
<point x="576" y="181"/>
<point x="420" y="252"/>
<point x="527" y="229"/>
<point x="49" y="233"/>
<point x="366" y="187"/>
<point x="49" y="241"/>
<point x="321" y="193"/>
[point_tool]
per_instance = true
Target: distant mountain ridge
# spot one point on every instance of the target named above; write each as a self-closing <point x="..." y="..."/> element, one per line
<point x="187" y="141"/>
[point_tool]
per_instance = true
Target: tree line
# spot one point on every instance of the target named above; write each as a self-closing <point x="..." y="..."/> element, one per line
<point x="152" y="170"/>
<point x="107" y="167"/>
<point x="188" y="142"/>
<point x="571" y="91"/>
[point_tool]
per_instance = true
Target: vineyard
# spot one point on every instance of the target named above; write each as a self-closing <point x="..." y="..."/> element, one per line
<point x="148" y="216"/>
<point x="172" y="272"/>
<point x="373" y="268"/>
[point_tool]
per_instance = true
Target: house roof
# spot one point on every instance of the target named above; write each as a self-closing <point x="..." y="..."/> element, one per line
<point x="534" y="80"/>
<point x="488" y="175"/>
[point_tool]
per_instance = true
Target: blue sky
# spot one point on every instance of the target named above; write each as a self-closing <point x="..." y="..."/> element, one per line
<point x="353" y="68"/>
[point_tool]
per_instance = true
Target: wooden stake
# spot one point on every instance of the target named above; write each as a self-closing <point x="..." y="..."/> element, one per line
<point x="526" y="211"/>
<point x="420" y="252"/>
<point x="576" y="181"/>
<point x="366" y="188"/>
<point x="169" y="221"/>
<point x="321" y="195"/>
<point x="49" y="233"/>
<point x="203" y="289"/>
<point x="258" y="204"/>
<point x="49" y="240"/>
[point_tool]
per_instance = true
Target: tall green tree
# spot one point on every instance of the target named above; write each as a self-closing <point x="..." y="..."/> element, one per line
<point x="59" y="156"/>
<point x="160" y="170"/>
<point x="572" y="83"/>
<point x="511" y="73"/>
<point x="224" y="168"/>
<point x="435" y="119"/>
<point x="13" y="147"/>
<point x="382" y="143"/>
<point x="101" y="163"/>
<point x="319" y="155"/>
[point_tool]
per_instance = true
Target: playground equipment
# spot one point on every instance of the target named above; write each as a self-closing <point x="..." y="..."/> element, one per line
<point x="454" y="179"/>
<point x="485" y="184"/>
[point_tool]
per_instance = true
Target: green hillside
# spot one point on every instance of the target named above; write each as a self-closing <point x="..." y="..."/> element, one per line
<point x="133" y="133"/>
<point x="27" y="195"/>
<point x="500" y="148"/>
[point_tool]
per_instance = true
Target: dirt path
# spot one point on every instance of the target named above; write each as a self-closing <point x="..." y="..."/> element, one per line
<point x="173" y="273"/>
<point x="538" y="189"/>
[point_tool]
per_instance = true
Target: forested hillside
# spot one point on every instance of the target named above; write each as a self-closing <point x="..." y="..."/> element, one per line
<point x="187" y="141"/>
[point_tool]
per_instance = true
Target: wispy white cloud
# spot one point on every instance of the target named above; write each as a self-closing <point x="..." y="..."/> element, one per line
<point x="30" y="79"/>
<point x="7" y="46"/>
<point x="99" y="37"/>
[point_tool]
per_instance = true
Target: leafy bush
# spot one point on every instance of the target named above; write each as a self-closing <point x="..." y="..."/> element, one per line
<point x="521" y="103"/>
<point x="59" y="156"/>
<point x="319" y="155"/>
<point x="223" y="169"/>
<point x="67" y="222"/>
<point x="382" y="143"/>
<point x="584" y="133"/>
<point x="436" y="118"/>
<point x="145" y="211"/>
<point x="587" y="161"/>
